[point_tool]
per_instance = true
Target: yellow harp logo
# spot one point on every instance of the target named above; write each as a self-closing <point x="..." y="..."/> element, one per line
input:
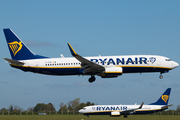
<point x="165" y="98"/>
<point x="15" y="46"/>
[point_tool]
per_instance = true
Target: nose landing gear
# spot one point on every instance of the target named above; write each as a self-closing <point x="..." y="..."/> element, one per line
<point x="92" y="79"/>
<point x="161" y="76"/>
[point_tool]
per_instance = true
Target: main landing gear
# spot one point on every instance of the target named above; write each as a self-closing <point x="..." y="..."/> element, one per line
<point x="125" y="116"/>
<point x="92" y="79"/>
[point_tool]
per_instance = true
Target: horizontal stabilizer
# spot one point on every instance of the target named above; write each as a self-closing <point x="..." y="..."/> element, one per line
<point x="166" y="107"/>
<point x="14" y="61"/>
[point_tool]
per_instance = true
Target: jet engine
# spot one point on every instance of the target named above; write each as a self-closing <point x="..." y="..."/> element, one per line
<point x="111" y="72"/>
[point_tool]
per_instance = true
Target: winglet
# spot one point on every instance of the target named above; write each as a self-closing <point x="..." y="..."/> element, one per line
<point x="141" y="105"/>
<point x="72" y="50"/>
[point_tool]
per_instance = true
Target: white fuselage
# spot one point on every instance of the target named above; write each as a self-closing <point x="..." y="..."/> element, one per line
<point x="109" y="109"/>
<point x="71" y="66"/>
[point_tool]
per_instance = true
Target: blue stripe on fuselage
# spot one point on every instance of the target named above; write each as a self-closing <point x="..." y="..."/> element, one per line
<point x="148" y="112"/>
<point x="79" y="71"/>
<point x="144" y="69"/>
<point x="51" y="71"/>
<point x="136" y="112"/>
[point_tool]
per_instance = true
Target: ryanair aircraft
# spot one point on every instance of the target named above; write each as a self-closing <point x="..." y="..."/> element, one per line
<point x="105" y="66"/>
<point x="118" y="110"/>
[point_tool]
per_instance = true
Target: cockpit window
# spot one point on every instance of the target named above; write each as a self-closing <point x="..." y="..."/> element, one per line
<point x="84" y="108"/>
<point x="168" y="59"/>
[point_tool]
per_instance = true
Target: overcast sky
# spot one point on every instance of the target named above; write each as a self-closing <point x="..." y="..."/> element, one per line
<point x="92" y="27"/>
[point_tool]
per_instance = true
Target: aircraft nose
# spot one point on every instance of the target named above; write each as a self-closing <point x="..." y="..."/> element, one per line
<point x="175" y="64"/>
<point x="80" y="111"/>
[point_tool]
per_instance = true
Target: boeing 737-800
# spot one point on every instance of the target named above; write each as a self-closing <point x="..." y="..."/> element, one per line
<point x="118" y="110"/>
<point x="105" y="66"/>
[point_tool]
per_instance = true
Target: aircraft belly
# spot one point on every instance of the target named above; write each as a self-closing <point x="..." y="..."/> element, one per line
<point x="51" y="71"/>
<point x="143" y="69"/>
<point x="98" y="113"/>
<point x="147" y="112"/>
<point x="60" y="71"/>
<point x="79" y="71"/>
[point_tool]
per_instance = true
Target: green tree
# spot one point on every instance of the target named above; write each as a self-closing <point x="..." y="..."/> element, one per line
<point x="89" y="103"/>
<point x="73" y="104"/>
<point x="17" y="109"/>
<point x="63" y="108"/>
<point x="50" y="107"/>
<point x="81" y="105"/>
<point x="30" y="109"/>
<point x="3" y="110"/>
<point x="70" y="107"/>
<point x="11" y="108"/>
<point x="178" y="108"/>
<point x="39" y="107"/>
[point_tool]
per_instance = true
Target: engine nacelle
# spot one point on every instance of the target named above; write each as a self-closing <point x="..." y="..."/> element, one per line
<point x="115" y="114"/>
<point x="112" y="72"/>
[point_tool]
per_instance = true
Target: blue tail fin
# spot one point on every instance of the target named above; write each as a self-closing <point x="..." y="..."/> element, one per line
<point x="18" y="50"/>
<point x="163" y="100"/>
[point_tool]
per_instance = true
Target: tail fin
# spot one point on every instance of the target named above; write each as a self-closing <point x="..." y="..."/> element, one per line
<point x="18" y="50"/>
<point x="163" y="100"/>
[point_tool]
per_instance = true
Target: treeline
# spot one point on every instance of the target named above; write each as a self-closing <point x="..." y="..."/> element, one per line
<point x="71" y="107"/>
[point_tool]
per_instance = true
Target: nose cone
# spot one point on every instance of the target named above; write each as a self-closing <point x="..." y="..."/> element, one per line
<point x="175" y="64"/>
<point x="80" y="111"/>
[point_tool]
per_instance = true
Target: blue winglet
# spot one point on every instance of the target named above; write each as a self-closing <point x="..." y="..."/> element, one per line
<point x="72" y="50"/>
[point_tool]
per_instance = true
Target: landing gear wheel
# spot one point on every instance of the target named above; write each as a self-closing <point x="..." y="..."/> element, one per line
<point x="92" y="79"/>
<point x="125" y="116"/>
<point x="160" y="76"/>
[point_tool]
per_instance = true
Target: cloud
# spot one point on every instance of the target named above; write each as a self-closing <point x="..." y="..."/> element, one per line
<point x="34" y="43"/>
<point x="4" y="82"/>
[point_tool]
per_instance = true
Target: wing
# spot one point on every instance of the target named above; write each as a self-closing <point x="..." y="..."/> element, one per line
<point x="87" y="65"/>
<point x="131" y="110"/>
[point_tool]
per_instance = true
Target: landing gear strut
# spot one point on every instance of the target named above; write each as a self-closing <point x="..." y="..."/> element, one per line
<point x="92" y="79"/>
<point x="160" y="76"/>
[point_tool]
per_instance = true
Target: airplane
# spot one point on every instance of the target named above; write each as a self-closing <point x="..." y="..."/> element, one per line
<point x="118" y="110"/>
<point x="104" y="66"/>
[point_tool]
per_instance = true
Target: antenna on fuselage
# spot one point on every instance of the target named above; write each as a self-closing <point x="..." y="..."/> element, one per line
<point x="62" y="56"/>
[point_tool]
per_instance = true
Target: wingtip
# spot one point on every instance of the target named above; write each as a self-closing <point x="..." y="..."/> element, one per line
<point x="141" y="105"/>
<point x="72" y="50"/>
